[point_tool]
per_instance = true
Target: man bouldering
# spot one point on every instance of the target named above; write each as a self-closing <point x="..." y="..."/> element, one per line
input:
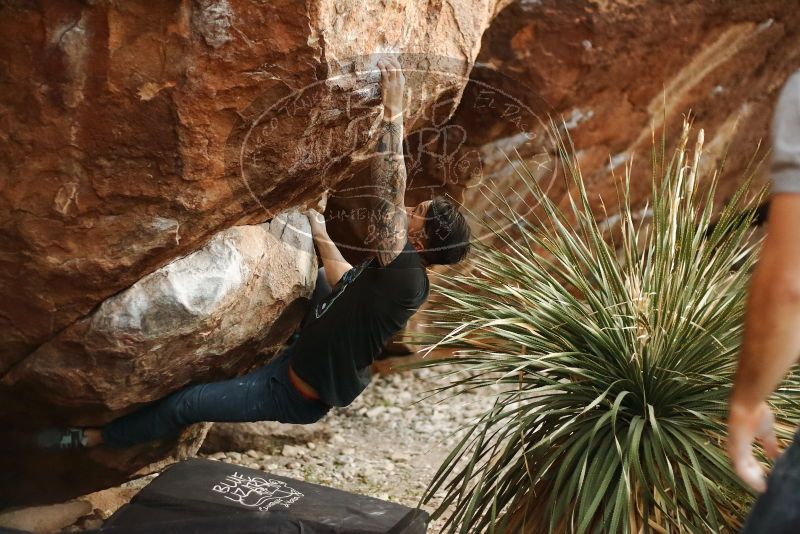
<point x="351" y="318"/>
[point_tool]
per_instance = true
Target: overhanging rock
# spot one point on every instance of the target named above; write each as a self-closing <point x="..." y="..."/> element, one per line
<point x="209" y="315"/>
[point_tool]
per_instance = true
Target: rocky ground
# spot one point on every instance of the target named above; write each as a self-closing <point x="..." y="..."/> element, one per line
<point x="388" y="444"/>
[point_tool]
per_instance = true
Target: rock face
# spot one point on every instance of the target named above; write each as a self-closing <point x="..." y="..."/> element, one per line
<point x="208" y="315"/>
<point x="136" y="133"/>
<point x="133" y="132"/>
<point x="614" y="72"/>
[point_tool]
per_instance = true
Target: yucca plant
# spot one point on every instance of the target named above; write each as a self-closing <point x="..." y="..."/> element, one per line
<point x="616" y="351"/>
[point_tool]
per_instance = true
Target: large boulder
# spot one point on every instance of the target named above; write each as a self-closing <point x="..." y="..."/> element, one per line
<point x="142" y="143"/>
<point x="134" y="131"/>
<point x="205" y="316"/>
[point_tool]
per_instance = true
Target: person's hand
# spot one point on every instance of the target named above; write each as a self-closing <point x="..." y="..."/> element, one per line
<point x="317" y="221"/>
<point x="745" y="425"/>
<point x="323" y="201"/>
<point x="392" y="86"/>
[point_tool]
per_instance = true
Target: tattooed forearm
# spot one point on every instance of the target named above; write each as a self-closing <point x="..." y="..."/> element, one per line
<point x="389" y="178"/>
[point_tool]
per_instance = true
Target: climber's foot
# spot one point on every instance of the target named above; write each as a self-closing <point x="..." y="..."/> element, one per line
<point x="64" y="438"/>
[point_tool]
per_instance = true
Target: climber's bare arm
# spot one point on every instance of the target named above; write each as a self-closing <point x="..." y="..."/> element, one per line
<point x="333" y="261"/>
<point x="388" y="168"/>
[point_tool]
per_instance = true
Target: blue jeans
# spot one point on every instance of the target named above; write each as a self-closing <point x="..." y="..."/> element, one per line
<point x="265" y="394"/>
<point x="777" y="511"/>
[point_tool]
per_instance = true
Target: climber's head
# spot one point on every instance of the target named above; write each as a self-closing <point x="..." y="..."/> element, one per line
<point x="438" y="231"/>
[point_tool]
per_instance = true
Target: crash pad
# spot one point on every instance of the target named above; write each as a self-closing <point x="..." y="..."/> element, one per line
<point x="206" y="496"/>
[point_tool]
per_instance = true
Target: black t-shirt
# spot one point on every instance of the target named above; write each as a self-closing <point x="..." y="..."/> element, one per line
<point x="348" y="329"/>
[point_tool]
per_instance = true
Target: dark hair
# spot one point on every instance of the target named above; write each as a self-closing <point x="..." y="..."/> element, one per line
<point x="447" y="233"/>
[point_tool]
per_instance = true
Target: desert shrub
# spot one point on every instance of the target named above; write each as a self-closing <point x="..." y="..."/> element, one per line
<point x="616" y="348"/>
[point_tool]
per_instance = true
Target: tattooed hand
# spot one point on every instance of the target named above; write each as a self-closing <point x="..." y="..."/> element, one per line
<point x="392" y="85"/>
<point x="388" y="167"/>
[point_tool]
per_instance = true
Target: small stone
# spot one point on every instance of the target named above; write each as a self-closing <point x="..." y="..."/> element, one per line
<point x="217" y="456"/>
<point x="375" y="412"/>
<point x="294" y="465"/>
<point x="399" y="457"/>
<point x="234" y="456"/>
<point x="252" y="454"/>
<point x="311" y="445"/>
<point x="292" y="451"/>
<point x="438" y="415"/>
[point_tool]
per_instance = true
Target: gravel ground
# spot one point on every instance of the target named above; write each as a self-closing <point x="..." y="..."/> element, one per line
<point x="387" y="444"/>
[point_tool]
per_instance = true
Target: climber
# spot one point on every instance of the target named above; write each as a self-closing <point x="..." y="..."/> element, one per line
<point x="351" y="318"/>
<point x="771" y="342"/>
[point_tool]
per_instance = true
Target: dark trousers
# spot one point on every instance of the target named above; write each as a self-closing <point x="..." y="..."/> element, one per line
<point x="777" y="511"/>
<point x="265" y="394"/>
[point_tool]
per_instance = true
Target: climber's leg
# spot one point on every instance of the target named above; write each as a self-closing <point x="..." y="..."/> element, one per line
<point x="265" y="394"/>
